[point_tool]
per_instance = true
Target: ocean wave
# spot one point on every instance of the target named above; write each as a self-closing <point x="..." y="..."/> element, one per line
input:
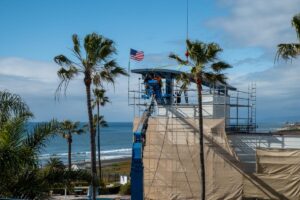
<point x="79" y="156"/>
<point x="116" y="150"/>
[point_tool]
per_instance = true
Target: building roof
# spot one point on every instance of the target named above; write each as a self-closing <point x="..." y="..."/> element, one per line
<point x="170" y="73"/>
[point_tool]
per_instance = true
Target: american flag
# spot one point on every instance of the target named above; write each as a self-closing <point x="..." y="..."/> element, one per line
<point x="136" y="55"/>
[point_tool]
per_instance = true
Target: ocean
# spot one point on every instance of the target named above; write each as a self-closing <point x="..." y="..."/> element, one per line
<point x="116" y="142"/>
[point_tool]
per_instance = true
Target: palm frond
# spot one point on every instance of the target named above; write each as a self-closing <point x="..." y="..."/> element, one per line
<point x="110" y="64"/>
<point x="29" y="186"/>
<point x="202" y="53"/>
<point x="76" y="46"/>
<point x="11" y="141"/>
<point x="291" y="50"/>
<point x="91" y="42"/>
<point x="12" y="105"/>
<point x="103" y="76"/>
<point x="118" y="71"/>
<point x="100" y="119"/>
<point x="296" y="25"/>
<point x="67" y="127"/>
<point x="196" y="50"/>
<point x="54" y="164"/>
<point x="287" y="51"/>
<point x="40" y="135"/>
<point x="179" y="60"/>
<point x="100" y="98"/>
<point x="62" y="60"/>
<point x="196" y="72"/>
<point x="220" y="66"/>
<point x="96" y="62"/>
<point x="212" y="51"/>
<point x="108" y="74"/>
<point x="65" y="76"/>
<point x="106" y="49"/>
<point x="214" y="78"/>
<point x="184" y="80"/>
<point x="98" y="49"/>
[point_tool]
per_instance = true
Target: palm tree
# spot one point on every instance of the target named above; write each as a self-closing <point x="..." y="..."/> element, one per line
<point x="183" y="80"/>
<point x="66" y="129"/>
<point x="19" y="149"/>
<point x="20" y="174"/>
<point x="100" y="100"/>
<point x="55" y="175"/>
<point x="201" y="54"/>
<point x="12" y="105"/>
<point x="97" y="66"/>
<point x="99" y="122"/>
<point x="54" y="164"/>
<point x="290" y="50"/>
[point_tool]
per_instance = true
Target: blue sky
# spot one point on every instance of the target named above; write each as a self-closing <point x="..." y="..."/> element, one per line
<point x="33" y="32"/>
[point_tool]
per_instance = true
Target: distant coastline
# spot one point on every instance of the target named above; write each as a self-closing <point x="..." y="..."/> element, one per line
<point x="116" y="142"/>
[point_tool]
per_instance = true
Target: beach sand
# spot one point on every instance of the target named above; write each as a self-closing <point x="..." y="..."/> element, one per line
<point x="105" y="163"/>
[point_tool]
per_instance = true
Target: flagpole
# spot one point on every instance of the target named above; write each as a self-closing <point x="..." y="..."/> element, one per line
<point x="187" y="28"/>
<point x="128" y="78"/>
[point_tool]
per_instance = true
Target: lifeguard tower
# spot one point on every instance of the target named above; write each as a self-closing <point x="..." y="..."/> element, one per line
<point x="219" y="101"/>
<point x="165" y="153"/>
<point x="239" y="162"/>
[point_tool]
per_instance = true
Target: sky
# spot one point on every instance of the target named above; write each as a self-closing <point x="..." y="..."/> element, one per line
<point x="33" y="32"/>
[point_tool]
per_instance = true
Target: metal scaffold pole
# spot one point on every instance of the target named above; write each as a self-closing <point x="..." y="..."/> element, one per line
<point x="248" y="120"/>
<point x="237" y="109"/>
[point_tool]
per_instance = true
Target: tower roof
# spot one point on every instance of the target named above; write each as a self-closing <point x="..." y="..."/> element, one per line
<point x="170" y="73"/>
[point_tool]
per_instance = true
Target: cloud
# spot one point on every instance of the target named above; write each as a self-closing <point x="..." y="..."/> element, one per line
<point x="262" y="23"/>
<point x="31" y="70"/>
<point x="278" y="91"/>
<point x="37" y="81"/>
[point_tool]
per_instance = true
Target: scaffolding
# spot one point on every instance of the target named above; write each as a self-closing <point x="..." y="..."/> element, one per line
<point x="165" y="151"/>
<point x="242" y="111"/>
<point x="237" y="107"/>
<point x="166" y="148"/>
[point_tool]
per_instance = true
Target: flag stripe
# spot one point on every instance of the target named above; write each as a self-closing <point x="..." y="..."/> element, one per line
<point x="136" y="55"/>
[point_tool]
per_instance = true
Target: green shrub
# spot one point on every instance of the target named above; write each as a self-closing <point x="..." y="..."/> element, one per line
<point x="125" y="189"/>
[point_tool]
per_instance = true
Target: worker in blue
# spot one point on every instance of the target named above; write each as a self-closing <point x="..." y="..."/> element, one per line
<point x="157" y="89"/>
<point x="146" y="83"/>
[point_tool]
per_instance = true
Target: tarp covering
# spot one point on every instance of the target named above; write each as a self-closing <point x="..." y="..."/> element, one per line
<point x="278" y="161"/>
<point x="281" y="187"/>
<point x="171" y="165"/>
<point x="277" y="169"/>
<point x="171" y="162"/>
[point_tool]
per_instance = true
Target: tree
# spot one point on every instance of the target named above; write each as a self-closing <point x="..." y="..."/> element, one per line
<point x="66" y="129"/>
<point x="97" y="66"/>
<point x="290" y="50"/>
<point x="19" y="149"/>
<point x="56" y="176"/>
<point x="99" y="122"/>
<point x="100" y="100"/>
<point x="12" y="105"/>
<point x="19" y="158"/>
<point x="201" y="54"/>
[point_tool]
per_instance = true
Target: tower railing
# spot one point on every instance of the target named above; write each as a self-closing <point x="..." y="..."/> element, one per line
<point x="237" y="107"/>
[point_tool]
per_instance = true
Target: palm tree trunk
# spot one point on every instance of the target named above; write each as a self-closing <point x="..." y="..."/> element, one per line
<point x="87" y="81"/>
<point x="69" y="151"/>
<point x="200" y="119"/>
<point x="98" y="130"/>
